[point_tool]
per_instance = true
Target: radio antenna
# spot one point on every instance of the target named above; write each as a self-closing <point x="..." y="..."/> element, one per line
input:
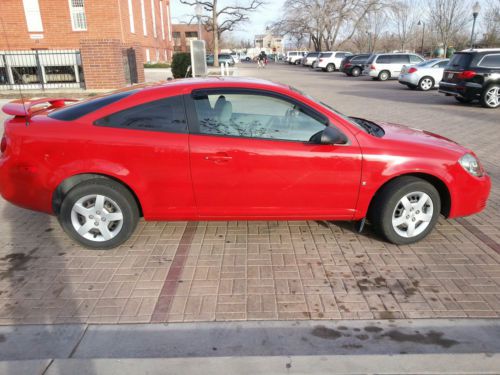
<point x="26" y="117"/>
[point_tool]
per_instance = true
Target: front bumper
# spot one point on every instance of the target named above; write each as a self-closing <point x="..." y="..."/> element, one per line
<point x="469" y="194"/>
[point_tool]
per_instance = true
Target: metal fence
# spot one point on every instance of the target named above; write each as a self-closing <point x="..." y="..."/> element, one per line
<point x="41" y="69"/>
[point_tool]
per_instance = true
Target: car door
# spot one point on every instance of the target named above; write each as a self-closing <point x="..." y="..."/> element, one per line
<point x="251" y="158"/>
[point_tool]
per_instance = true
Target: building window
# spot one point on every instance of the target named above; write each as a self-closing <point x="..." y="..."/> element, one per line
<point x="168" y="23"/>
<point x="131" y="16"/>
<point x="153" y="14"/>
<point x="143" y="14"/>
<point x="33" y="16"/>
<point x="161" y="20"/>
<point x="77" y="12"/>
<point x="148" y="56"/>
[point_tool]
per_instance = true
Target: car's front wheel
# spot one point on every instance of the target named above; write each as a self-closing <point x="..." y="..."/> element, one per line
<point x="490" y="98"/>
<point x="356" y="72"/>
<point x="99" y="214"/>
<point x="384" y="75"/>
<point x="330" y="68"/>
<point x="405" y="210"/>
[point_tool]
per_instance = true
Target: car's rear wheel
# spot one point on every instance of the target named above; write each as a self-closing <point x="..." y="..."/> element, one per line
<point x="314" y="65"/>
<point x="330" y="68"/>
<point x="490" y="98"/>
<point x="99" y="214"/>
<point x="384" y="75"/>
<point x="356" y="72"/>
<point x="405" y="210"/>
<point x="297" y="62"/>
<point x="426" y="83"/>
<point x="463" y="100"/>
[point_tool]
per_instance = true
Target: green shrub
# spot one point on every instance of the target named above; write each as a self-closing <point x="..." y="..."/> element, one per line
<point x="180" y="63"/>
<point x="157" y="66"/>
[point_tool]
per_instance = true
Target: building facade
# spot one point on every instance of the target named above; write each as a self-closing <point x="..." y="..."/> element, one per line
<point x="270" y="43"/>
<point x="183" y="33"/>
<point x="110" y="37"/>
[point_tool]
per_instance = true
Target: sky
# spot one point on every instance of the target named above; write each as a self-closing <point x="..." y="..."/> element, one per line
<point x="258" y="20"/>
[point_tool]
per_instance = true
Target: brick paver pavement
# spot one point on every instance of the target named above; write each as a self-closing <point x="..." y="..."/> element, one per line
<point x="177" y="271"/>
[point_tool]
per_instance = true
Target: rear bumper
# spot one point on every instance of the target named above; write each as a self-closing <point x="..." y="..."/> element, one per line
<point x="469" y="90"/>
<point x="21" y="185"/>
<point x="406" y="79"/>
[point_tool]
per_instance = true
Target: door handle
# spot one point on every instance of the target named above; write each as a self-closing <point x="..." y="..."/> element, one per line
<point x="220" y="157"/>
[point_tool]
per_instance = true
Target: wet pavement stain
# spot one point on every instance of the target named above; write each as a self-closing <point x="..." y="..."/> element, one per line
<point x="373" y="329"/>
<point x="2" y="338"/>
<point x="17" y="262"/>
<point x="326" y="333"/>
<point x="430" y="338"/>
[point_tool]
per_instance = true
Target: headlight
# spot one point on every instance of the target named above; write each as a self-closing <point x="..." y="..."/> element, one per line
<point x="471" y="165"/>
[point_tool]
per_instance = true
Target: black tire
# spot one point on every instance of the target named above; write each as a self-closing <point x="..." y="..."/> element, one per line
<point x="330" y="68"/>
<point x="484" y="96"/>
<point x="356" y="72"/>
<point x="112" y="190"/>
<point x="386" y="202"/>
<point x="463" y="100"/>
<point x="297" y="62"/>
<point x="422" y="83"/>
<point x="314" y="65"/>
<point x="384" y="75"/>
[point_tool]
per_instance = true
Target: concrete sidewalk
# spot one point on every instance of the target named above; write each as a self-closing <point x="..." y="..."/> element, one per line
<point x="469" y="346"/>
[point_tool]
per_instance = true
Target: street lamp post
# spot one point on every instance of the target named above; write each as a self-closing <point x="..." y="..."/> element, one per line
<point x="369" y="41"/>
<point x="475" y="11"/>
<point x="199" y="12"/>
<point x="420" y="23"/>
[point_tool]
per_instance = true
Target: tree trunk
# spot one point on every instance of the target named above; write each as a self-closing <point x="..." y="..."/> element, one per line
<point x="215" y="31"/>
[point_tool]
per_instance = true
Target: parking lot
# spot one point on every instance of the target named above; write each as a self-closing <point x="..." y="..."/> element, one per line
<point x="220" y="271"/>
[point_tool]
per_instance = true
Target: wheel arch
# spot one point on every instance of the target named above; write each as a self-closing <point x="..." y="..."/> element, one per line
<point x="70" y="182"/>
<point x="440" y="185"/>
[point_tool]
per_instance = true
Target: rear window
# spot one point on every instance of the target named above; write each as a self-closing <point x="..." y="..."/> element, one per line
<point x="460" y="60"/>
<point x="75" y="111"/>
<point x="490" y="61"/>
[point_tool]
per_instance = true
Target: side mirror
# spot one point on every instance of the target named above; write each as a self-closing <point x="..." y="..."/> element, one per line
<point x="332" y="136"/>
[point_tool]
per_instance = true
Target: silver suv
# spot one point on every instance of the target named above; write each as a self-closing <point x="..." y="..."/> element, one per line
<point x="383" y="66"/>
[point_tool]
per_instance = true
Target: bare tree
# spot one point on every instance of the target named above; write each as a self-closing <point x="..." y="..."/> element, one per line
<point x="328" y="23"/>
<point x="220" y="20"/>
<point x="491" y="24"/>
<point x="448" y="18"/>
<point x="404" y="15"/>
<point x="370" y="31"/>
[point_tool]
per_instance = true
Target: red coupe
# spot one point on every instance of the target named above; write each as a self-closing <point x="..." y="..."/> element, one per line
<point x="228" y="149"/>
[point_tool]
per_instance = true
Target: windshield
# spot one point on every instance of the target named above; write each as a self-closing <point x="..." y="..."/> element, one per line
<point x="362" y="125"/>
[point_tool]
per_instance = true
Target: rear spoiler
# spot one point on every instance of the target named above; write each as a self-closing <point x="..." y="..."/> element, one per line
<point x="25" y="108"/>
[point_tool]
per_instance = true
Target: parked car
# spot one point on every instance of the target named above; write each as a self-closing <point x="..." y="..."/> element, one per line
<point x="383" y="66"/>
<point x="331" y="60"/>
<point x="425" y="75"/>
<point x="295" y="57"/>
<point x="236" y="58"/>
<point x="223" y="58"/>
<point x="352" y="65"/>
<point x="474" y="75"/>
<point x="310" y="59"/>
<point x="228" y="149"/>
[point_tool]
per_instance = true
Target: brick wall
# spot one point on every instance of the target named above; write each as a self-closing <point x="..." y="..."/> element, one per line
<point x="102" y="62"/>
<point x="105" y="19"/>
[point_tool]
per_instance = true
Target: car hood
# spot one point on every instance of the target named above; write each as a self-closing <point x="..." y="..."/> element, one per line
<point x="401" y="133"/>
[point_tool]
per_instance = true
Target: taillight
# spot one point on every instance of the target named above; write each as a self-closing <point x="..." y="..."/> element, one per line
<point x="467" y="74"/>
<point x="372" y="67"/>
<point x="412" y="70"/>
<point x="3" y="145"/>
<point x="347" y="65"/>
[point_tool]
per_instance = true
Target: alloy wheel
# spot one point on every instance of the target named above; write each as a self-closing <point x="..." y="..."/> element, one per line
<point x="426" y="84"/>
<point x="97" y="218"/>
<point x="493" y="97"/>
<point x="412" y="214"/>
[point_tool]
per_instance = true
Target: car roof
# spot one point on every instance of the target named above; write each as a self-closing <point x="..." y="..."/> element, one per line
<point x="479" y="50"/>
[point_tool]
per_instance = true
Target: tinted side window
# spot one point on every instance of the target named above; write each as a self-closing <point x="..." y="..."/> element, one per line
<point x="491" y="61"/>
<point x="384" y="59"/>
<point x="442" y="64"/>
<point x="326" y="55"/>
<point x="400" y="59"/>
<point x="340" y="54"/>
<point x="161" y="115"/>
<point x="78" y="110"/>
<point x="255" y="116"/>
